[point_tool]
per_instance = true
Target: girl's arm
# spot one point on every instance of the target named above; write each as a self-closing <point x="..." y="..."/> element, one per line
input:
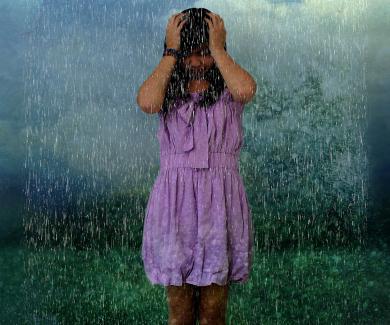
<point x="240" y="83"/>
<point x="151" y="94"/>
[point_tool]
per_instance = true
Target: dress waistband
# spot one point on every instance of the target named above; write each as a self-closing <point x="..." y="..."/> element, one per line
<point x="215" y="159"/>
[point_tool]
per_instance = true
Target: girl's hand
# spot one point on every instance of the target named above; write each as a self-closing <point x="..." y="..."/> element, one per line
<point x="217" y="32"/>
<point x="174" y="26"/>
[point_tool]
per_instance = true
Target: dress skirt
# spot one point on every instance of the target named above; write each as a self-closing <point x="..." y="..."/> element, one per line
<point x="197" y="228"/>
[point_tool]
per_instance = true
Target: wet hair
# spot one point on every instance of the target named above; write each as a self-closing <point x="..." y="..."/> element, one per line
<point x="193" y="35"/>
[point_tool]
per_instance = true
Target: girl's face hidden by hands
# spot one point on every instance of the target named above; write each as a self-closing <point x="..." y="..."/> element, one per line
<point x="198" y="62"/>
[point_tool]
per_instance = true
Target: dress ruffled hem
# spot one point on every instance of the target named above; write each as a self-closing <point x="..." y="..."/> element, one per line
<point x="198" y="279"/>
<point x="237" y="271"/>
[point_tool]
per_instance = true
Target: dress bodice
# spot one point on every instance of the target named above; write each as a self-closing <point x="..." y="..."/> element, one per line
<point x="192" y="136"/>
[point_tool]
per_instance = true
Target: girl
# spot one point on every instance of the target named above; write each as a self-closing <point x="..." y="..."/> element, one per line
<point x="197" y="236"/>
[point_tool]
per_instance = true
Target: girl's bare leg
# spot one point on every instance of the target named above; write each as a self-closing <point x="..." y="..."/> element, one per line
<point x="213" y="304"/>
<point x="181" y="304"/>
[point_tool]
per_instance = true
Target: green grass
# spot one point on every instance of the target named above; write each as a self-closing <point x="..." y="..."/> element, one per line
<point x="62" y="286"/>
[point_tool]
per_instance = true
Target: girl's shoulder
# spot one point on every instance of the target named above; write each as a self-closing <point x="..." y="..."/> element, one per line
<point x="229" y="100"/>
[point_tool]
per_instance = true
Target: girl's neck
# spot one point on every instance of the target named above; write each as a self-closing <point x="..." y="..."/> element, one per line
<point x="195" y="86"/>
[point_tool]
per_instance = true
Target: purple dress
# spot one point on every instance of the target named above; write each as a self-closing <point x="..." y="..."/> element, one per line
<point x="198" y="224"/>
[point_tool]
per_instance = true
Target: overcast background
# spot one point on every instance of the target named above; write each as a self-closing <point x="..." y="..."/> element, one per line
<point x="271" y="39"/>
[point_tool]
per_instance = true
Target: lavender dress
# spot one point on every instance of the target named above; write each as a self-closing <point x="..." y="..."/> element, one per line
<point x="198" y="225"/>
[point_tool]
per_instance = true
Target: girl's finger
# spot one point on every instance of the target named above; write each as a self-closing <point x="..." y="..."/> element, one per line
<point x="174" y="17"/>
<point x="209" y="20"/>
<point x="217" y="19"/>
<point x="179" y="22"/>
<point x="177" y="16"/>
<point x="183" y="22"/>
<point x="209" y="25"/>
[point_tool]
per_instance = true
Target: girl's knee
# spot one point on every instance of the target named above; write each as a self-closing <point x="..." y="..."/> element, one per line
<point x="181" y="304"/>
<point x="213" y="304"/>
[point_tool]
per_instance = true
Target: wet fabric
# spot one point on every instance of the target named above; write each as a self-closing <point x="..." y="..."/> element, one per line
<point x="198" y="224"/>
